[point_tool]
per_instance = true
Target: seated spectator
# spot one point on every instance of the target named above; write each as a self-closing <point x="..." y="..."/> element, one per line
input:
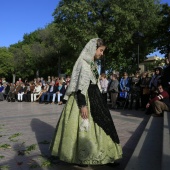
<point x="6" y="89"/>
<point x="60" y="93"/>
<point x="36" y="92"/>
<point x="29" y="89"/>
<point x="11" y="95"/>
<point x="52" y="89"/>
<point x="44" y="90"/>
<point x="21" y="92"/>
<point x="159" y="103"/>
<point x="17" y="88"/>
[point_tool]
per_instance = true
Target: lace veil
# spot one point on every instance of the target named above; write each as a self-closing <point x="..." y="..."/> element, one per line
<point x="82" y="74"/>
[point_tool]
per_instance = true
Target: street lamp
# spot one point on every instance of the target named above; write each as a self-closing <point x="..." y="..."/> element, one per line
<point x="137" y="38"/>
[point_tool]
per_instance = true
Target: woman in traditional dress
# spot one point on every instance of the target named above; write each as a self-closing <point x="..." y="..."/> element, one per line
<point x="85" y="133"/>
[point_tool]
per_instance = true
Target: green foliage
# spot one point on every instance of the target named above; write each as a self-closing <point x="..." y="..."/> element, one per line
<point x="5" y="146"/>
<point x="30" y="148"/>
<point x="1" y="156"/>
<point x="54" y="49"/>
<point x="12" y="137"/>
<point x="153" y="65"/>
<point x="4" y="167"/>
<point x="114" y="21"/>
<point x="6" y="64"/>
<point x="162" y="35"/>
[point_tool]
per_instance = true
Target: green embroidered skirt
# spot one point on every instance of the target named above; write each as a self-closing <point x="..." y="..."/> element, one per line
<point x="90" y="146"/>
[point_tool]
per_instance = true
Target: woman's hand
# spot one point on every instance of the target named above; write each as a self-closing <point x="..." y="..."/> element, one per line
<point x="84" y="112"/>
<point x="147" y="106"/>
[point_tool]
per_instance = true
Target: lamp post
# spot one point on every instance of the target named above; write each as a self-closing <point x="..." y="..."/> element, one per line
<point x="59" y="65"/>
<point x="137" y="38"/>
<point x="103" y="62"/>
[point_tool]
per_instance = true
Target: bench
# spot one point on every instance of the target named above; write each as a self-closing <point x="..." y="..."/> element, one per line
<point x="148" y="152"/>
<point x="166" y="142"/>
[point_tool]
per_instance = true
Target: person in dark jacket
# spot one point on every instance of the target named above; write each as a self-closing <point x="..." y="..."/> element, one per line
<point x="166" y="77"/>
<point x="60" y="93"/>
<point x="160" y="102"/>
<point x="52" y="89"/>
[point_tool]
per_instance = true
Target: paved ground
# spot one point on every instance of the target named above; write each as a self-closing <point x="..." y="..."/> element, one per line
<point x="27" y="128"/>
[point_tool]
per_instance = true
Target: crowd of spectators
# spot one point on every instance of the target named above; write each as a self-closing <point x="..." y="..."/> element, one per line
<point x="38" y="90"/>
<point x="137" y="90"/>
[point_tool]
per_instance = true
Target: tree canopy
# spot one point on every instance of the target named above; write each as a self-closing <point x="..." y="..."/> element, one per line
<point x="55" y="48"/>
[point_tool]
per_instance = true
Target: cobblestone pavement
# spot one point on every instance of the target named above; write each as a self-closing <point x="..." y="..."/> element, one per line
<point x="27" y="128"/>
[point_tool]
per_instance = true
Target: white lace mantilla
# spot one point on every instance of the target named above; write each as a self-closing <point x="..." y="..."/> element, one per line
<point x="82" y="73"/>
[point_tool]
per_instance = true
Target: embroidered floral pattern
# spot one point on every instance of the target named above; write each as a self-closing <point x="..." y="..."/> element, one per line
<point x="94" y="70"/>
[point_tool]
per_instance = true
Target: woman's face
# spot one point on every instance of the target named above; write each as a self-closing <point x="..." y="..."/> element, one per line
<point x="157" y="71"/>
<point x="99" y="52"/>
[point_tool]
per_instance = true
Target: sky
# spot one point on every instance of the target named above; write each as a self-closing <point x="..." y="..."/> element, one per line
<point x="19" y="17"/>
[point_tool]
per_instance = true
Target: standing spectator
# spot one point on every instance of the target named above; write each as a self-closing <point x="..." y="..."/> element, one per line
<point x="108" y="87"/>
<point x="166" y="76"/>
<point x="1" y="92"/>
<point x="104" y="86"/>
<point x="114" y="89"/>
<point x="125" y="82"/>
<point x="49" y="79"/>
<point x="144" y="89"/>
<point x="67" y="79"/>
<point x="124" y="85"/>
<point x="155" y="80"/>
<point x="20" y="81"/>
<point x="135" y="91"/>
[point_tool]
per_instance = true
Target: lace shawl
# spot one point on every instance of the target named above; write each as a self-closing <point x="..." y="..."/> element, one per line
<point x="82" y="73"/>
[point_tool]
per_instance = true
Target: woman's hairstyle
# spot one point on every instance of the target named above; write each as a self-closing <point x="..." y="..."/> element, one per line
<point x="158" y="68"/>
<point x="125" y="74"/>
<point x="114" y="75"/>
<point x="100" y="43"/>
<point x="103" y="75"/>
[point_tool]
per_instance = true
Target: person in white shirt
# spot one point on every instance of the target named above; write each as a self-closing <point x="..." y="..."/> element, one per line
<point x="104" y="85"/>
<point x="36" y="92"/>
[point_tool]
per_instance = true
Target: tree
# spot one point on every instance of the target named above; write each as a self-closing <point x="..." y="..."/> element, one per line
<point x="162" y="35"/>
<point x="6" y="64"/>
<point x="114" y="21"/>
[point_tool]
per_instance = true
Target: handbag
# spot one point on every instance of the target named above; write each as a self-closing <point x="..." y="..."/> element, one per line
<point x="146" y="90"/>
<point x="113" y="91"/>
<point x="123" y="94"/>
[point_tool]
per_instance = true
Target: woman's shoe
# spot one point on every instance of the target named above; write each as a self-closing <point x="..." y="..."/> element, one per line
<point x="113" y="164"/>
<point x="81" y="165"/>
<point x="60" y="103"/>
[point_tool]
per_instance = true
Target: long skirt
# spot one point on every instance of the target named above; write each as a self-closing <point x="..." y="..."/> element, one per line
<point x="92" y="144"/>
